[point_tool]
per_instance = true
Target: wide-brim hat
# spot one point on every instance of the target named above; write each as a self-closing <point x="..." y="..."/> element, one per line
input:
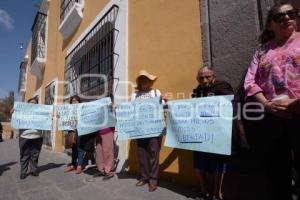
<point x="151" y="77"/>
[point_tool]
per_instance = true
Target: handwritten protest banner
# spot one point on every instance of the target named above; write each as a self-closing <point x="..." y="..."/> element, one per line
<point x="201" y="124"/>
<point x="140" y="119"/>
<point x="67" y="119"/>
<point x="94" y="116"/>
<point x="32" y="116"/>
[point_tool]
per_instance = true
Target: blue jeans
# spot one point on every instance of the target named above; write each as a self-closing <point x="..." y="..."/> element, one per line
<point x="77" y="154"/>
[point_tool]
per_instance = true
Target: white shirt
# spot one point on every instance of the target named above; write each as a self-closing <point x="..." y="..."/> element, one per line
<point x="30" y="134"/>
<point x="145" y="95"/>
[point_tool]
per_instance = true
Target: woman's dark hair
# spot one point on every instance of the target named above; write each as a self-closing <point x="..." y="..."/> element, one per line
<point x="34" y="98"/>
<point x="267" y="35"/>
<point x="75" y="97"/>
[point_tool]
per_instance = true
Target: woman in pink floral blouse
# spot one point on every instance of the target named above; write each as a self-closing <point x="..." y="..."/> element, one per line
<point x="273" y="79"/>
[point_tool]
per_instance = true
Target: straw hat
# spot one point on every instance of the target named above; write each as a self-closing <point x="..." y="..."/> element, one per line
<point x="151" y="77"/>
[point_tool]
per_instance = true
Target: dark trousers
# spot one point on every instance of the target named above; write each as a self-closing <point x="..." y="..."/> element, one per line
<point x="29" y="153"/>
<point x="149" y="166"/>
<point x="274" y="140"/>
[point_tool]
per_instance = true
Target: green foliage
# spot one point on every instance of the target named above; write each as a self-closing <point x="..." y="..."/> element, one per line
<point x="6" y="106"/>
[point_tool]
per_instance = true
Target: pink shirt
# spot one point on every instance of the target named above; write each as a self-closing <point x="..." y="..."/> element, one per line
<point x="275" y="70"/>
<point x="106" y="131"/>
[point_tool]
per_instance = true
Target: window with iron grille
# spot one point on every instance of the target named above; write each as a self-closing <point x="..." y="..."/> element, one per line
<point x="22" y="76"/>
<point x="38" y="37"/>
<point x="50" y="94"/>
<point x="65" y="7"/>
<point x="49" y="100"/>
<point x="89" y="66"/>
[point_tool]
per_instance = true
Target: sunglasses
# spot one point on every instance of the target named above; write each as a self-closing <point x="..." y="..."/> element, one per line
<point x="279" y="17"/>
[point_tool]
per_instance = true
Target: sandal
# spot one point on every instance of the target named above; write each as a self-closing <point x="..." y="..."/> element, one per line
<point x="69" y="169"/>
<point x="78" y="170"/>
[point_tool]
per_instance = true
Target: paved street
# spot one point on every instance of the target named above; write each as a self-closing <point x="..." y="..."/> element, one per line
<point x="243" y="182"/>
<point x="54" y="184"/>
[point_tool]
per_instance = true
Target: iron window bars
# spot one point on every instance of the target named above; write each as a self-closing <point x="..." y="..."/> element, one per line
<point x="38" y="37"/>
<point x="94" y="55"/>
<point x="49" y="100"/>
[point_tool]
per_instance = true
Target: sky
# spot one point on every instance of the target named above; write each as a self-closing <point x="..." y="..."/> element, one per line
<point x="16" y="19"/>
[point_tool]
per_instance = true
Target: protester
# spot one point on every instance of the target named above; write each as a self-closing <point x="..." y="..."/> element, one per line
<point x="210" y="167"/>
<point x="149" y="173"/>
<point x="77" y="152"/>
<point x="273" y="81"/>
<point x="30" y="144"/>
<point x="105" y="152"/>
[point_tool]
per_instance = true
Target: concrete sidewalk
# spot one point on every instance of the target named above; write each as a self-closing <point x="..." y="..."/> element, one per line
<point x="54" y="184"/>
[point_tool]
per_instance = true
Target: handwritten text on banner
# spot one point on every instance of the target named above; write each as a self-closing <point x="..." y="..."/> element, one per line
<point x="201" y="124"/>
<point x="32" y="116"/>
<point x="67" y="119"/>
<point x="95" y="115"/>
<point x="140" y="119"/>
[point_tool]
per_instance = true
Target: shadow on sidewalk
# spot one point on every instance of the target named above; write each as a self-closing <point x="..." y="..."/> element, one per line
<point x="91" y="170"/>
<point x="49" y="166"/>
<point x="125" y="175"/>
<point x="6" y="167"/>
<point x="187" y="191"/>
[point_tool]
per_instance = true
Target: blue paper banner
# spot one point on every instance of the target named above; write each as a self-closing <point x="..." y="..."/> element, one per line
<point x="140" y="119"/>
<point x="94" y="116"/>
<point x="201" y="124"/>
<point x="67" y="116"/>
<point x="32" y="116"/>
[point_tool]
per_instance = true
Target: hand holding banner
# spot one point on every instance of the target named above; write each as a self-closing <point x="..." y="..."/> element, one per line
<point x="94" y="116"/>
<point x="201" y="124"/>
<point x="67" y="116"/>
<point x="32" y="116"/>
<point x="140" y="119"/>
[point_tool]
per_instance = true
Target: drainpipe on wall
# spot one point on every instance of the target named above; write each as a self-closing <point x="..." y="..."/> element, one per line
<point x="206" y="32"/>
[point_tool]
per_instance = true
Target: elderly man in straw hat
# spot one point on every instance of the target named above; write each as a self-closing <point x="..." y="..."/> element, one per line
<point x="149" y="174"/>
